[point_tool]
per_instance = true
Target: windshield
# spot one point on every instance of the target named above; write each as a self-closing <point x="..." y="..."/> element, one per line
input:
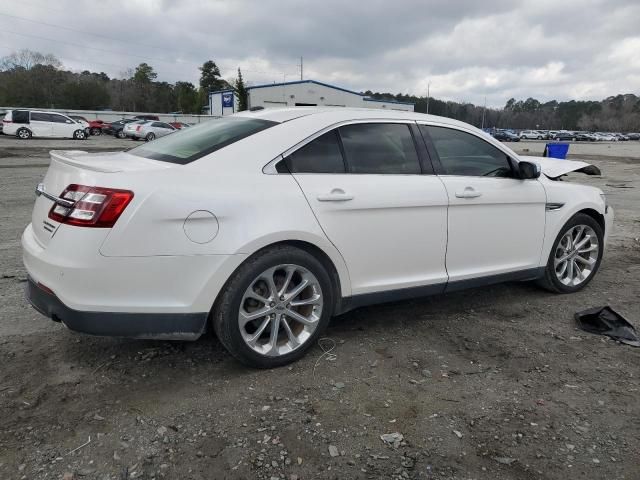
<point x="195" y="142"/>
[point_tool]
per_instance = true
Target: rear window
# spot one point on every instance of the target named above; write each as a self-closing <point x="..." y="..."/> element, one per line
<point x="188" y="145"/>
<point x="20" y="116"/>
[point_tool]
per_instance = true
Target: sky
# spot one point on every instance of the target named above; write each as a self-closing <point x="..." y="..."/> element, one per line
<point x="460" y="50"/>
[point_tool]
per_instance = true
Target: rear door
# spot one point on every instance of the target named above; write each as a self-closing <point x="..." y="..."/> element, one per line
<point x="378" y="202"/>
<point x="496" y="221"/>
<point x="40" y="124"/>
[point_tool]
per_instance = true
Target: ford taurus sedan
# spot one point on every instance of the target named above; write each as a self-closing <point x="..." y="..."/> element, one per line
<point x="263" y="225"/>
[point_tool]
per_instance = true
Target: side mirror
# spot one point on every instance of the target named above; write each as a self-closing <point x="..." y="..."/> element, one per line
<point x="528" y="170"/>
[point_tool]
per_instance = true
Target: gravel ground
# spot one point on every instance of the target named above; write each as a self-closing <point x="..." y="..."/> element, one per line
<point x="492" y="383"/>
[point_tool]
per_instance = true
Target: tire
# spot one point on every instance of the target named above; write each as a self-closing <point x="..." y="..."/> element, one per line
<point x="232" y="303"/>
<point x="150" y="137"/>
<point x="79" y="135"/>
<point x="96" y="131"/>
<point x="23" y="133"/>
<point x="550" y="280"/>
<point x="135" y="139"/>
<point x="539" y="138"/>
<point x="120" y="134"/>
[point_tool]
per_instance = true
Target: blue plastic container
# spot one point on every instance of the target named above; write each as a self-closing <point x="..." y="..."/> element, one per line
<point x="556" y="150"/>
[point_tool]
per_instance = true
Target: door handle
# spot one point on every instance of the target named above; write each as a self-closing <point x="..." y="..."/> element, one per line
<point x="336" y="195"/>
<point x="469" y="192"/>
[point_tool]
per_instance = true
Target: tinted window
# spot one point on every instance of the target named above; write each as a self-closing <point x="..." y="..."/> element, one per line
<point x="464" y="154"/>
<point x="193" y="143"/>
<point x="40" y="117"/>
<point x="321" y="155"/>
<point x="379" y="148"/>
<point x="162" y="125"/>
<point x="20" y="116"/>
<point x="57" y="118"/>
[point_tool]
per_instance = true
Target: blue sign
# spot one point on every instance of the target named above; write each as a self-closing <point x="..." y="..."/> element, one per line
<point x="227" y="100"/>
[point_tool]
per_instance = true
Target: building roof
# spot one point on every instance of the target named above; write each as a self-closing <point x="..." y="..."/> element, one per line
<point x="365" y="98"/>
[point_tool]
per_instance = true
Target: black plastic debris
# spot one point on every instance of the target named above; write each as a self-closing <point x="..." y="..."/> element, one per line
<point x="605" y="321"/>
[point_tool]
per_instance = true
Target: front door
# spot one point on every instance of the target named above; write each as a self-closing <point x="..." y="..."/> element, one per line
<point x="496" y="221"/>
<point x="366" y="186"/>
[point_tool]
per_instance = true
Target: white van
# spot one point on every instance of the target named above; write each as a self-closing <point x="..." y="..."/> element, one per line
<point x="33" y="123"/>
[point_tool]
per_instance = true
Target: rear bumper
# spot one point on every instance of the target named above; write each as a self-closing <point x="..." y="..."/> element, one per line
<point x="167" y="326"/>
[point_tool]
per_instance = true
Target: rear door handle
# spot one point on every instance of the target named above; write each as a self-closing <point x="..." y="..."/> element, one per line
<point x="336" y="195"/>
<point x="469" y="192"/>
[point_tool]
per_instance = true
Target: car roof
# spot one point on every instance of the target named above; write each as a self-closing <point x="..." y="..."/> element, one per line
<point x="339" y="114"/>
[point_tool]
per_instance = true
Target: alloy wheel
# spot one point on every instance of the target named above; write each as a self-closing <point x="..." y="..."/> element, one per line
<point x="280" y="310"/>
<point x="576" y="255"/>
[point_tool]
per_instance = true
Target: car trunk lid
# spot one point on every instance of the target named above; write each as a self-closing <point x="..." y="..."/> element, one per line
<point x="78" y="167"/>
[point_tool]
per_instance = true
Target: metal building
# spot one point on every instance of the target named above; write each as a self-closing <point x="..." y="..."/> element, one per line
<point x="299" y="93"/>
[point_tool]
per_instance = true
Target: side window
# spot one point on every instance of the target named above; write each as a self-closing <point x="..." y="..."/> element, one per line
<point x="386" y="148"/>
<point x="164" y="125"/>
<point x="20" y="116"/>
<point x="321" y="155"/>
<point x="465" y="154"/>
<point x="57" y="118"/>
<point x="40" y="117"/>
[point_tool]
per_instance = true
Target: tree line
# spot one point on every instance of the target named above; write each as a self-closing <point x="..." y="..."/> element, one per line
<point x="32" y="79"/>
<point x="620" y="113"/>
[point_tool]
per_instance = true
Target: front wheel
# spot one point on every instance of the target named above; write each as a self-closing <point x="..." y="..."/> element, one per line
<point x="121" y="134"/>
<point x="79" y="135"/>
<point x="96" y="131"/>
<point x="274" y="307"/>
<point x="575" y="256"/>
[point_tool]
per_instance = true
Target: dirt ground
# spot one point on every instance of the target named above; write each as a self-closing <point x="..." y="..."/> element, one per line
<point x="492" y="383"/>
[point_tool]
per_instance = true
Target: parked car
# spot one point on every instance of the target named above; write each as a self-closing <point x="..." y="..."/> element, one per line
<point x="33" y="123"/>
<point x="130" y="128"/>
<point x="179" y="125"/>
<point x="146" y="117"/>
<point x="95" y="126"/>
<point x="505" y="136"/>
<point x="633" y="136"/>
<point x="621" y="137"/>
<point x="531" y="135"/>
<point x="585" y="137"/>
<point x="148" y="130"/>
<point x="605" y="137"/>
<point x="564" y="136"/>
<point x="263" y="225"/>
<point x="2" y="114"/>
<point x="115" y="128"/>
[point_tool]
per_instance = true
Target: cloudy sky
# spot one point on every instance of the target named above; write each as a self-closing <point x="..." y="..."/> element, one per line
<point x="466" y="50"/>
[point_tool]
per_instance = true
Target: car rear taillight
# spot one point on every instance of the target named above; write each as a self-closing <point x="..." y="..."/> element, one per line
<point x="138" y="128"/>
<point x="93" y="206"/>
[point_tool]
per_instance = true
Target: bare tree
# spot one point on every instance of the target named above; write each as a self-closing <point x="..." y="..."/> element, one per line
<point x="27" y="59"/>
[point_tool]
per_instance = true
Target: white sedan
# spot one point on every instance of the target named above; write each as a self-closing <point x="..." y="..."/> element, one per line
<point x="263" y="225"/>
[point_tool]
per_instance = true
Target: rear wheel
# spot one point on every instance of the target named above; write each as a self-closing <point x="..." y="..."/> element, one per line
<point x="96" y="131"/>
<point x="79" y="135"/>
<point x="150" y="136"/>
<point x="120" y="134"/>
<point x="575" y="256"/>
<point x="274" y="307"/>
<point x="24" y="133"/>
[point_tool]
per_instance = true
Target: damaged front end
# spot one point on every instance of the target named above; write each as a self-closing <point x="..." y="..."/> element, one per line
<point x="554" y="168"/>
